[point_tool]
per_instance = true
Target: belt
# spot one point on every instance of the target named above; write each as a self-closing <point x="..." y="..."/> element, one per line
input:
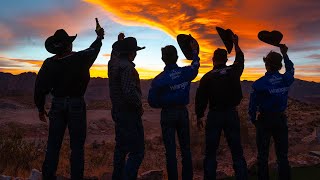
<point x="223" y="108"/>
<point x="67" y="97"/>
<point x="175" y="107"/>
<point x="272" y="113"/>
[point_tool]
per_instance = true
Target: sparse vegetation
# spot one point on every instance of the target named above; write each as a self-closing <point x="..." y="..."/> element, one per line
<point x="18" y="155"/>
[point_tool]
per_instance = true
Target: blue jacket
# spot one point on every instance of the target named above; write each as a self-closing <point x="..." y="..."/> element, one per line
<point x="171" y="87"/>
<point x="270" y="92"/>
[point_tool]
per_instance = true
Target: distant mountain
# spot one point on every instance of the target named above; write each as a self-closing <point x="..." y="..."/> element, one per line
<point x="98" y="89"/>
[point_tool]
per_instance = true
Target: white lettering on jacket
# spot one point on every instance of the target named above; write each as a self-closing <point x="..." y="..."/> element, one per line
<point x="175" y="74"/>
<point x="179" y="86"/>
<point x="278" y="90"/>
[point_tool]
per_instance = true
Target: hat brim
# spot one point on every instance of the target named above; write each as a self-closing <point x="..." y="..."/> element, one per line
<point x="55" y="46"/>
<point x="226" y="37"/>
<point x="273" y="38"/>
<point x="116" y="46"/>
<point x="184" y="43"/>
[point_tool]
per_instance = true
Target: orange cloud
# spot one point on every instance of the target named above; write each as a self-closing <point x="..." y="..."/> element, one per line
<point x="297" y="20"/>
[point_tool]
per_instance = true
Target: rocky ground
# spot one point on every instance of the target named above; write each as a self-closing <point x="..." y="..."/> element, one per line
<point x="23" y="137"/>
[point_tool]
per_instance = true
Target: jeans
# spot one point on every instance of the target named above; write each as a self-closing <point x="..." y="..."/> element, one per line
<point x="177" y="120"/>
<point x="129" y="141"/>
<point x="229" y="122"/>
<point x="71" y="113"/>
<point x="272" y="126"/>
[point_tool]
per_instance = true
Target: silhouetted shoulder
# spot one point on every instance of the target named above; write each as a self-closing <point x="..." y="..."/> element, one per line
<point x="259" y="83"/>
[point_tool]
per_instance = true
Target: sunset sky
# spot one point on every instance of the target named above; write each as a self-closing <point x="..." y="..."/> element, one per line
<point x="25" y="25"/>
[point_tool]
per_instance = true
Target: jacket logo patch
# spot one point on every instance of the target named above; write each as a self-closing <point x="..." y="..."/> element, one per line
<point x="179" y="86"/>
<point x="221" y="71"/>
<point x="275" y="79"/>
<point x="279" y="90"/>
<point x="175" y="74"/>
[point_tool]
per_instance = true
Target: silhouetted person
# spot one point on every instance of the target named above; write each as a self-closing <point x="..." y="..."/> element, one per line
<point x="269" y="97"/>
<point x="65" y="76"/>
<point x="125" y="94"/>
<point x="221" y="88"/>
<point x="170" y="91"/>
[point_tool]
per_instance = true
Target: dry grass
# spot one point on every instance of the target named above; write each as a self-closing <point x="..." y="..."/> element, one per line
<point x="18" y="156"/>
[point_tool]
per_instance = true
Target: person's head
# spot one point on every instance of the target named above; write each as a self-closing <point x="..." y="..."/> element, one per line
<point x="219" y="57"/>
<point x="273" y="61"/>
<point x="169" y="55"/>
<point x="60" y="42"/>
<point x="127" y="48"/>
<point x="129" y="55"/>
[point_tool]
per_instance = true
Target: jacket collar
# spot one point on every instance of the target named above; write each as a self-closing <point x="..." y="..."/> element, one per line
<point x="269" y="73"/>
<point x="219" y="66"/>
<point x="170" y="66"/>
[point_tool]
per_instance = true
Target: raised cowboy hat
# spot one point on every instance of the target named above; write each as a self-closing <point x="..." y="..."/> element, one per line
<point x="226" y="37"/>
<point x="274" y="37"/>
<point x="184" y="43"/>
<point x="56" y="44"/>
<point x="126" y="45"/>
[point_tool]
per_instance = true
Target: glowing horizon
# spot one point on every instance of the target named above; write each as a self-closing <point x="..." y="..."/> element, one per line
<point x="156" y="24"/>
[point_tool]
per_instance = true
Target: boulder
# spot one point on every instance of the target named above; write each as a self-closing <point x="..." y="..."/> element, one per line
<point x="35" y="175"/>
<point x="152" y="175"/>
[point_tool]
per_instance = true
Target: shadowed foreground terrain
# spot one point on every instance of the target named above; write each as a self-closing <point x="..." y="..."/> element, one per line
<point x="23" y="136"/>
<point x="23" y="141"/>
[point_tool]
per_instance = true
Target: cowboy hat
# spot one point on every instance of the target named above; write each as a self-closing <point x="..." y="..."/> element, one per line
<point x="57" y="43"/>
<point x="226" y="37"/>
<point x="184" y="43"/>
<point x="126" y="45"/>
<point x="274" y="37"/>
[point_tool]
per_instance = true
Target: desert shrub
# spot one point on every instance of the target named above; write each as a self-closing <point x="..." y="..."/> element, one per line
<point x="17" y="154"/>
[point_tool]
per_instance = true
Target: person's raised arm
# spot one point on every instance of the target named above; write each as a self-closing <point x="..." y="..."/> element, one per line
<point x="239" y="54"/>
<point x="289" y="74"/>
<point x="90" y="54"/>
<point x="238" y="64"/>
<point x="192" y="71"/>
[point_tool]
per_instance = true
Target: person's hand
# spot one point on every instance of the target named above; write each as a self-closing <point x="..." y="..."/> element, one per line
<point x="283" y="48"/>
<point x="199" y="123"/>
<point x="121" y="36"/>
<point x="253" y="121"/>
<point x="141" y="111"/>
<point x="194" y="45"/>
<point x="235" y="39"/>
<point x="100" y="33"/>
<point x="43" y="115"/>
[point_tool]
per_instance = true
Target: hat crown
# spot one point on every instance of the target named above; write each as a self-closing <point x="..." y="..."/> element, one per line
<point x="56" y="44"/>
<point x="61" y="35"/>
<point x="126" y="45"/>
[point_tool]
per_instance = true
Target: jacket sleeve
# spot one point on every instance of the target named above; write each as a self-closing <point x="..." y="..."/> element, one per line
<point x="129" y="88"/>
<point x="42" y="87"/>
<point x="202" y="98"/>
<point x="191" y="72"/>
<point x="253" y="105"/>
<point x="90" y="55"/>
<point x="289" y="74"/>
<point x="238" y="64"/>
